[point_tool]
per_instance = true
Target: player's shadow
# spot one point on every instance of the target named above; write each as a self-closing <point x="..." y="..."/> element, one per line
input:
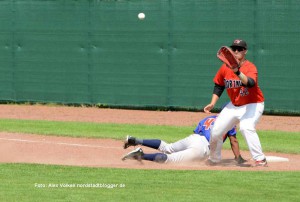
<point x="232" y="162"/>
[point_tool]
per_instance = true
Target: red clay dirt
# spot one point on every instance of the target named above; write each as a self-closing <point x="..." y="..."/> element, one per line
<point x="24" y="148"/>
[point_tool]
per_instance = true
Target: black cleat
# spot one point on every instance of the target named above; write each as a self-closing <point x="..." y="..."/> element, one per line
<point x="129" y="141"/>
<point x="134" y="155"/>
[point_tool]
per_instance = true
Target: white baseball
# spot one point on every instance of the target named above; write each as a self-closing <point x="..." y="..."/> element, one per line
<point x="141" y="16"/>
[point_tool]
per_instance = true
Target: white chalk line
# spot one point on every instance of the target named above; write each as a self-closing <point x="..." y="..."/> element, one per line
<point x="59" y="143"/>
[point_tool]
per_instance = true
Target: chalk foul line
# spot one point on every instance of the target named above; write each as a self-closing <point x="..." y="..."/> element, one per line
<point x="59" y="143"/>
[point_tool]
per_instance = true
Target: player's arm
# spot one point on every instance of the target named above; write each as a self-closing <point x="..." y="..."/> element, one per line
<point x="236" y="149"/>
<point x="247" y="81"/>
<point x="218" y="90"/>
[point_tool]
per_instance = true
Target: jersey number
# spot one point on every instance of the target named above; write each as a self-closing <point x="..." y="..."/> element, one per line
<point x="244" y="92"/>
<point x="208" y="123"/>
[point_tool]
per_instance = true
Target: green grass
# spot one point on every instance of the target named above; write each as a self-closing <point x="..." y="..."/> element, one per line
<point x="30" y="182"/>
<point x="92" y="130"/>
<point x="276" y="141"/>
<point x="144" y="185"/>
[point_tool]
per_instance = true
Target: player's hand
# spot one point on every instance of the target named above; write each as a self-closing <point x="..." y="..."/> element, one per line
<point x="208" y="108"/>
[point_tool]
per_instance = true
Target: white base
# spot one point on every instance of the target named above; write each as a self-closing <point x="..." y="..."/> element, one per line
<point x="276" y="159"/>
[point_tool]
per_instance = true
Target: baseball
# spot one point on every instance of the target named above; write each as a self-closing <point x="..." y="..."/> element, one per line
<point x="141" y="16"/>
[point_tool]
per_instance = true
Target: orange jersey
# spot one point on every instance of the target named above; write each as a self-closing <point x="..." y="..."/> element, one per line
<point x="237" y="92"/>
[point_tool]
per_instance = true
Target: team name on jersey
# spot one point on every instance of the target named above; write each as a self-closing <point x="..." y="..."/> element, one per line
<point x="232" y="83"/>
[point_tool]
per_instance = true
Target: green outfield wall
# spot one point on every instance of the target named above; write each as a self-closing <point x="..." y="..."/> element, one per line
<point x="99" y="52"/>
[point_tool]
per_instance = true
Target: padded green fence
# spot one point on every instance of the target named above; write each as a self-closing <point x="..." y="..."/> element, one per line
<point x="99" y="52"/>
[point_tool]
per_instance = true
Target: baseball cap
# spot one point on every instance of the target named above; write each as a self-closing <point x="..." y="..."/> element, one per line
<point x="239" y="43"/>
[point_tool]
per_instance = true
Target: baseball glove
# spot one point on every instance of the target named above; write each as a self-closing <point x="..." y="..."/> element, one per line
<point x="226" y="55"/>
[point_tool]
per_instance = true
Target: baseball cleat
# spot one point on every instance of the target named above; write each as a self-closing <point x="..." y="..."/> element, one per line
<point x="136" y="154"/>
<point x="262" y="163"/>
<point x="129" y="141"/>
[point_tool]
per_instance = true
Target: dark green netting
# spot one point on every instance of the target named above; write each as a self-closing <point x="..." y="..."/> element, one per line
<point x="99" y="52"/>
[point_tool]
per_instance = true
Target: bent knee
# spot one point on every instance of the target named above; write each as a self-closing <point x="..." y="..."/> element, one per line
<point x="165" y="147"/>
<point x="160" y="158"/>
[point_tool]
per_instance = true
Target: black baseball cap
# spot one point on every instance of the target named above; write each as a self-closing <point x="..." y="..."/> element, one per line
<point x="239" y="43"/>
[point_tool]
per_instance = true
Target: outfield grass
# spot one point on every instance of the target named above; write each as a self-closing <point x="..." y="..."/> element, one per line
<point x="26" y="182"/>
<point x="276" y="141"/>
<point x="30" y="182"/>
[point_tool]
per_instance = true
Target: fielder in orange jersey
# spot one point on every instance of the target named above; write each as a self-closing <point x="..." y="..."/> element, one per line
<point x="246" y="106"/>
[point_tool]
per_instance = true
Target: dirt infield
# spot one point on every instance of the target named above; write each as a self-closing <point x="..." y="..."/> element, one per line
<point x="108" y="153"/>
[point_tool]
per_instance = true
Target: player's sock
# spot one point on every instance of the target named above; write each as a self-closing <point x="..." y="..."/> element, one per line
<point x="157" y="157"/>
<point x="138" y="141"/>
<point x="151" y="143"/>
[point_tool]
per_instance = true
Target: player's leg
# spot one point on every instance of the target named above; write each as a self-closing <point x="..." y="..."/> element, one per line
<point x="247" y="127"/>
<point x="225" y="121"/>
<point x="133" y="141"/>
<point x="198" y="149"/>
<point x="159" y="144"/>
<point x="180" y="145"/>
<point x="191" y="148"/>
<point x="156" y="157"/>
<point x="139" y="154"/>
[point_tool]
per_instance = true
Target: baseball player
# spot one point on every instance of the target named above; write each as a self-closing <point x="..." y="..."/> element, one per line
<point x="192" y="148"/>
<point x="246" y="106"/>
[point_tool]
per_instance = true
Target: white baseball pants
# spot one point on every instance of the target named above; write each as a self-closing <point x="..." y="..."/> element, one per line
<point x="189" y="149"/>
<point x="248" y="116"/>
